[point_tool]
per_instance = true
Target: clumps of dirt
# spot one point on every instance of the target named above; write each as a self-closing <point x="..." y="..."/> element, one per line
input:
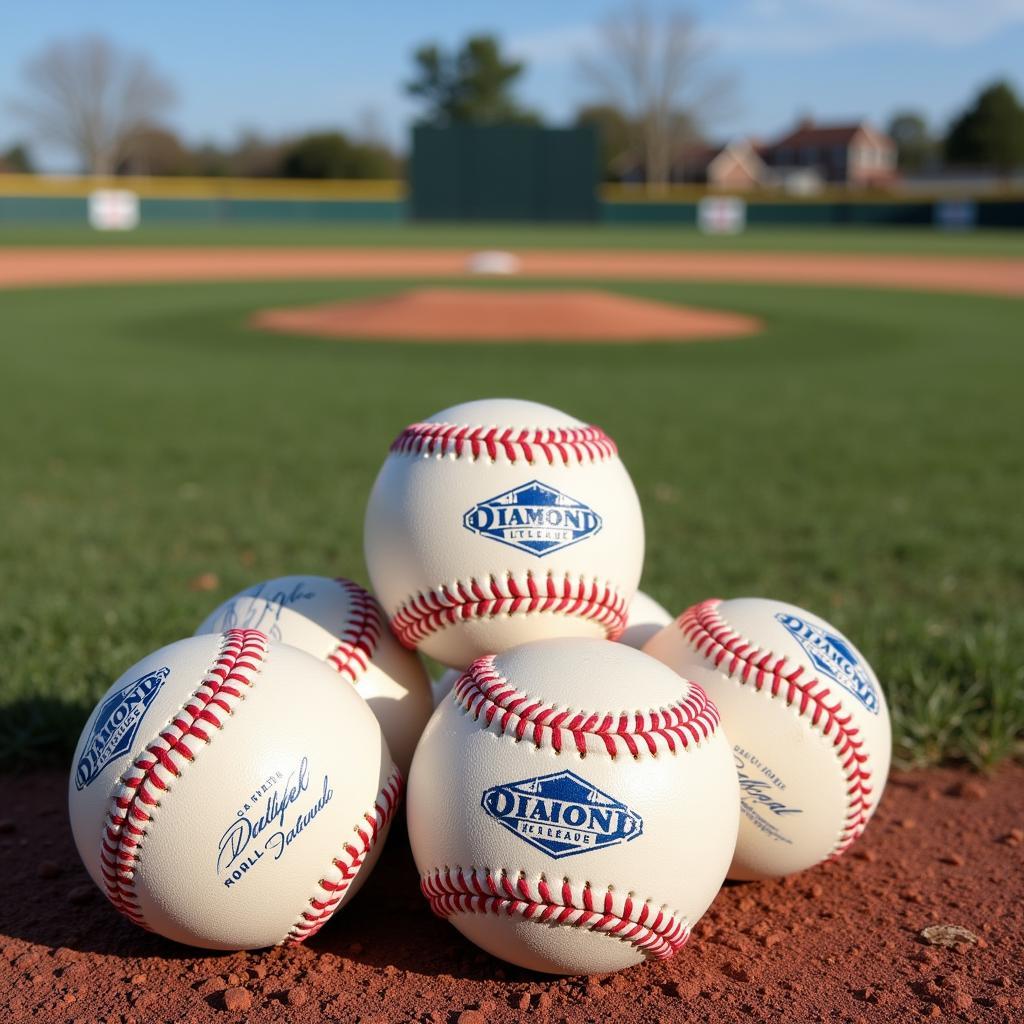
<point x="846" y="943"/>
<point x="479" y="314"/>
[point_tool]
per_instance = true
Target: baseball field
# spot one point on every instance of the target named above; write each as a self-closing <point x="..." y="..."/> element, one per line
<point x="861" y="455"/>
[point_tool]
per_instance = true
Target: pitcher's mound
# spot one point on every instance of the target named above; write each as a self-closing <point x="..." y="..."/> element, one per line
<point x="474" y="314"/>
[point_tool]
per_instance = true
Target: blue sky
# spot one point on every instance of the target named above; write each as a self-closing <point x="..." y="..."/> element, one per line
<point x="281" y="68"/>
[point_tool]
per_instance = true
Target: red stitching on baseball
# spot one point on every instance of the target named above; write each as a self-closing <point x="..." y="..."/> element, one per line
<point x="485" y="694"/>
<point x="426" y="613"/>
<point x="552" y="444"/>
<point x="350" y="860"/>
<point x="656" y="933"/>
<point x="238" y="663"/>
<point x="358" y="640"/>
<point x="712" y="637"/>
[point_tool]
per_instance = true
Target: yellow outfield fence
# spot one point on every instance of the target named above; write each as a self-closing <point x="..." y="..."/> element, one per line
<point x="614" y="192"/>
<point x="53" y="186"/>
<point x="396" y="190"/>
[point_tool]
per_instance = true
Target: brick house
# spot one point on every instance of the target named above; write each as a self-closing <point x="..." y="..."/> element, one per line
<point x="736" y="166"/>
<point x="843" y="154"/>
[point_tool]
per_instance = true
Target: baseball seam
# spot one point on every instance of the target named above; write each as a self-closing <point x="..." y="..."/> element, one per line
<point x="529" y="444"/>
<point x="742" y="661"/>
<point x="141" y="787"/>
<point x="491" y="700"/>
<point x="425" y="613"/>
<point x="357" y="642"/>
<point x="368" y="831"/>
<point x="655" y="932"/>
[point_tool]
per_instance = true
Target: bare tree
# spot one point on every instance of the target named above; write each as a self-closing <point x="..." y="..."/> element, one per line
<point x="656" y="69"/>
<point x="89" y="97"/>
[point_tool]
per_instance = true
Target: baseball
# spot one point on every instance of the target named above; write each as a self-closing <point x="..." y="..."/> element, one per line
<point x="644" y="618"/>
<point x="227" y="793"/>
<point x="338" y="622"/>
<point x="807" y="720"/>
<point x="573" y="806"/>
<point x="501" y="521"/>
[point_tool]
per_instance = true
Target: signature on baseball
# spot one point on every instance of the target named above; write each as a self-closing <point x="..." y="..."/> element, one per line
<point x="238" y="852"/>
<point x="263" y="608"/>
<point x="754" y="790"/>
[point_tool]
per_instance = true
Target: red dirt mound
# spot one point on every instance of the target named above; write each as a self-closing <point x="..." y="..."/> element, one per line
<point x="472" y="314"/>
<point x="852" y="942"/>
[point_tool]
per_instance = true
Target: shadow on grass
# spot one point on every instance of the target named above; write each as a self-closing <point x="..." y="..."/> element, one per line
<point x="40" y="732"/>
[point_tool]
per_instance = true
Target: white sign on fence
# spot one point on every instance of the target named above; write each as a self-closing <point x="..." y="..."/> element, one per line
<point x="721" y="215"/>
<point x="113" y="209"/>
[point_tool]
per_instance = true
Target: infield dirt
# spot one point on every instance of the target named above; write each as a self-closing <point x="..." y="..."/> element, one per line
<point x="472" y="314"/>
<point x="840" y="943"/>
<point x="28" y="267"/>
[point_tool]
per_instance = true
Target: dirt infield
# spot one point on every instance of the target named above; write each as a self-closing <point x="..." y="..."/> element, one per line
<point x="34" y="267"/>
<point x="841" y="943"/>
<point x="475" y="314"/>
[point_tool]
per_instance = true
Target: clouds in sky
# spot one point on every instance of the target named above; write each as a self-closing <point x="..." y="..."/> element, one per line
<point x="806" y="26"/>
<point x="810" y="26"/>
<point x="843" y="58"/>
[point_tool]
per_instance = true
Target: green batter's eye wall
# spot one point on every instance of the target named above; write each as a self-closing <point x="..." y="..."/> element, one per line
<point x="504" y="172"/>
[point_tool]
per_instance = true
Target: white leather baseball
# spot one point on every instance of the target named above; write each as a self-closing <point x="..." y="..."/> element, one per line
<point x="807" y="720"/>
<point x="228" y="793"/>
<point x="337" y="621"/>
<point x="573" y="806"/>
<point x="501" y="521"/>
<point x="644" y="618"/>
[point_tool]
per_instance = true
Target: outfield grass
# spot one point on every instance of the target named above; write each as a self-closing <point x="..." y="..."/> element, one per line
<point x="861" y="458"/>
<point x="889" y="240"/>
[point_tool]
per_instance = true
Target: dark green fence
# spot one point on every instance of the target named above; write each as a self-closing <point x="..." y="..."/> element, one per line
<point x="72" y="210"/>
<point x="993" y="213"/>
<point x="542" y="190"/>
<point x="504" y="172"/>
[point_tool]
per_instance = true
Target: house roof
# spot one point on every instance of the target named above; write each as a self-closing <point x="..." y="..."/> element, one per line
<point x="825" y="135"/>
<point x="820" y="135"/>
<point x="700" y="154"/>
<point x="744" y="153"/>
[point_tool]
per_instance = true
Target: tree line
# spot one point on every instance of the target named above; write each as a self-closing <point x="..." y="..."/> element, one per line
<point x="655" y="83"/>
<point x="988" y="133"/>
<point x="108" y="108"/>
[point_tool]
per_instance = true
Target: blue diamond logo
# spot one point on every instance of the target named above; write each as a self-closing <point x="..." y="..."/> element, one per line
<point x="533" y="517"/>
<point x="561" y="814"/>
<point x="117" y="722"/>
<point x="832" y="656"/>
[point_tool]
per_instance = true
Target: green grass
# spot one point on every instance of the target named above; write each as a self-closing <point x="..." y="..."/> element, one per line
<point x="861" y="458"/>
<point x="913" y="241"/>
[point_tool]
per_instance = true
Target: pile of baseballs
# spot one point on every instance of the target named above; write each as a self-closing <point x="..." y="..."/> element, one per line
<point x="593" y="771"/>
